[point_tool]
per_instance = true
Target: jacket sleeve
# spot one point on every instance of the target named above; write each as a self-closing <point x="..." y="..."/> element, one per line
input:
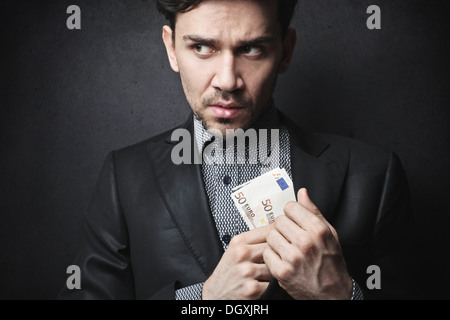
<point x="103" y="258"/>
<point x="392" y="242"/>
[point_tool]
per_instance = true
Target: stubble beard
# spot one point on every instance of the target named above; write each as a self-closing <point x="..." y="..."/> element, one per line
<point x="227" y="123"/>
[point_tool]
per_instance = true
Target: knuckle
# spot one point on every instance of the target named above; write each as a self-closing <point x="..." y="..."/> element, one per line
<point x="298" y="239"/>
<point x="236" y="240"/>
<point x="334" y="232"/>
<point x="241" y="270"/>
<point x="271" y="236"/>
<point x="280" y="220"/>
<point x="308" y="248"/>
<point x="250" y="289"/>
<point x="322" y="230"/>
<point x="315" y="210"/>
<point x="267" y="254"/>
<point x="246" y="270"/>
<point x="284" y="273"/>
<point x="295" y="259"/>
<point x="290" y="206"/>
<point x="240" y="253"/>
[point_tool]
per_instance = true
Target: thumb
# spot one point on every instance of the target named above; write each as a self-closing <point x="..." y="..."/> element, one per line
<point x="305" y="201"/>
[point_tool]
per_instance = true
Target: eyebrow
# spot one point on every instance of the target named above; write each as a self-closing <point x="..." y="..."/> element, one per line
<point x="241" y="43"/>
<point x="200" y="39"/>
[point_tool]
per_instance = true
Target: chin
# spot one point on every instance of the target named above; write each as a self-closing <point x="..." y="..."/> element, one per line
<point x="222" y="125"/>
<point x="228" y="123"/>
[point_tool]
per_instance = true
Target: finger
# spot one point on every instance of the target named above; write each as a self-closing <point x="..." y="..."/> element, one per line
<point x="288" y="229"/>
<point x="261" y="272"/>
<point x="280" y="245"/>
<point x="313" y="224"/>
<point x="304" y="212"/>
<point x="300" y="215"/>
<point x="251" y="290"/>
<point x="256" y="252"/>
<point x="272" y="259"/>
<point x="254" y="236"/>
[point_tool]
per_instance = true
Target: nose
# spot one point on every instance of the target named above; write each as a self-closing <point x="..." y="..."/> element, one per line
<point x="227" y="77"/>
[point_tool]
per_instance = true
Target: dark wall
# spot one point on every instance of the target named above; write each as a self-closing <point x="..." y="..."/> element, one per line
<point x="67" y="97"/>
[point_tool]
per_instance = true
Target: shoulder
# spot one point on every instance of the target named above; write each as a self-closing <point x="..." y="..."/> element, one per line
<point x="323" y="145"/>
<point x="354" y="146"/>
<point x="317" y="144"/>
<point x="362" y="156"/>
<point x="133" y="163"/>
<point x="140" y="149"/>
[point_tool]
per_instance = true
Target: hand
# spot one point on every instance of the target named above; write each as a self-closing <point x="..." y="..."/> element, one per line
<point x="304" y="254"/>
<point x="241" y="272"/>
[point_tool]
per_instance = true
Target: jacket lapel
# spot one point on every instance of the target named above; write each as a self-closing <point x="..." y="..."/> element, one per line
<point x="315" y="165"/>
<point x="182" y="189"/>
<point x="318" y="167"/>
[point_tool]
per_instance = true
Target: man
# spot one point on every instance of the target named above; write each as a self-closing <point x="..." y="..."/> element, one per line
<point x="160" y="230"/>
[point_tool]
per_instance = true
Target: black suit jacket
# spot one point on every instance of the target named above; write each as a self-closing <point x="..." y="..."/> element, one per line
<point x="149" y="229"/>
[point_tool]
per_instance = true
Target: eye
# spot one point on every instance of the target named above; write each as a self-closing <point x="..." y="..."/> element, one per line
<point x="202" y="49"/>
<point x="251" y="51"/>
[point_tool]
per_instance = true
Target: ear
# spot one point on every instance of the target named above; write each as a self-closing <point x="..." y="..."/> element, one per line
<point x="168" y="39"/>
<point x="288" y="49"/>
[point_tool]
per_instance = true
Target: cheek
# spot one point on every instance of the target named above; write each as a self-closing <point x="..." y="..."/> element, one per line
<point x="261" y="80"/>
<point x="194" y="77"/>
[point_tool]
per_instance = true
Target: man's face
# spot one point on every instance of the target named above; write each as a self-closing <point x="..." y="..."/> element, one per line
<point x="228" y="54"/>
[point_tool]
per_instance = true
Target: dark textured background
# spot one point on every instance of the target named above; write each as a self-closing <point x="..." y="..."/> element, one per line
<point x="67" y="97"/>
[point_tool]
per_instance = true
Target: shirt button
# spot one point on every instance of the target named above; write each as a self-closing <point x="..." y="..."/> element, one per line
<point x="226" y="238"/>
<point x="227" y="179"/>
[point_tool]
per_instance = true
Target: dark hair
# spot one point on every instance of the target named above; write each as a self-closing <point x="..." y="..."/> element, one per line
<point x="170" y="9"/>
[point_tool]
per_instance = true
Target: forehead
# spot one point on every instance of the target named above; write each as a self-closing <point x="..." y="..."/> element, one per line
<point x="230" y="19"/>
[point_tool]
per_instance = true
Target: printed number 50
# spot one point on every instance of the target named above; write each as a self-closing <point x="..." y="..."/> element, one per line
<point x="267" y="205"/>
<point x="240" y="197"/>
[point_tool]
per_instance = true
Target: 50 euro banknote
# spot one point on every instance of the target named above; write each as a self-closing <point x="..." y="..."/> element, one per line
<point x="262" y="199"/>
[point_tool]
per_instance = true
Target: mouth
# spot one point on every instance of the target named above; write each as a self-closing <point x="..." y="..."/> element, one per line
<point x="225" y="110"/>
